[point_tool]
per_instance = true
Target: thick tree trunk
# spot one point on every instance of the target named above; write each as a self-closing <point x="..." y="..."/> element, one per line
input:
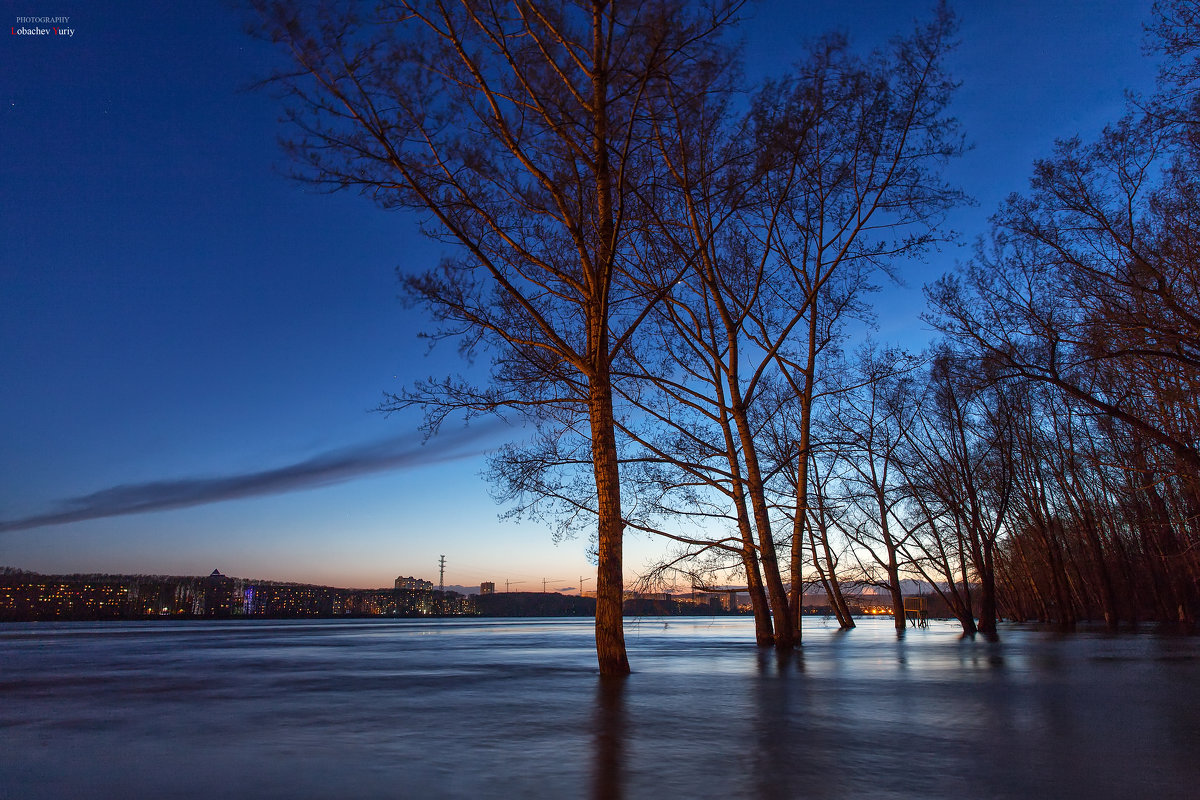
<point x="981" y="556"/>
<point x="764" y="632"/>
<point x="799" y="522"/>
<point x="893" y="564"/>
<point x="897" y="598"/>
<point x="610" y="633"/>
<point x="987" y="593"/>
<point x="961" y="612"/>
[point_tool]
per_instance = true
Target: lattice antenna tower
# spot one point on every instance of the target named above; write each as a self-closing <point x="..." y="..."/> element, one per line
<point x="442" y="574"/>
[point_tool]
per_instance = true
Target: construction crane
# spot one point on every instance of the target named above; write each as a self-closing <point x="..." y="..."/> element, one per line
<point x="547" y="580"/>
<point x="581" y="580"/>
<point x="510" y="583"/>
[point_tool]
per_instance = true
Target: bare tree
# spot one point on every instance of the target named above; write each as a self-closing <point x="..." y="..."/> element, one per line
<point x="846" y="182"/>
<point x="872" y="422"/>
<point x="518" y="130"/>
<point x="823" y="519"/>
<point x="959" y="464"/>
<point x="858" y="145"/>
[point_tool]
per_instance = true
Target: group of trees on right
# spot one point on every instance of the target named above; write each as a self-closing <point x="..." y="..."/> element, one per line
<point x="1061" y="429"/>
<point x="1040" y="461"/>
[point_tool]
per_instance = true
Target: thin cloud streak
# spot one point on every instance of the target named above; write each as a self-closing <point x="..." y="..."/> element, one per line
<point x="325" y="469"/>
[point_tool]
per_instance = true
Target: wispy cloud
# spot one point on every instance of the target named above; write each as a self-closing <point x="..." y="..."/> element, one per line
<point x="325" y="469"/>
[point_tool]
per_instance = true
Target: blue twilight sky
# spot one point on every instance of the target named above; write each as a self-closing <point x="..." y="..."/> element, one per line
<point x="174" y="311"/>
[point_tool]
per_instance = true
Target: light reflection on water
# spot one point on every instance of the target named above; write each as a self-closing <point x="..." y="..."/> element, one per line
<point x="512" y="708"/>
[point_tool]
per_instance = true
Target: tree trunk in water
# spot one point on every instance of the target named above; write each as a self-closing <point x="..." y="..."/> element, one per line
<point x="796" y="595"/>
<point x="833" y="589"/>
<point x="897" y="599"/>
<point x="764" y="632"/>
<point x="762" y="521"/>
<point x="987" y="593"/>
<point x="893" y="565"/>
<point x="959" y="607"/>
<point x="610" y="633"/>
<point x="1064" y="613"/>
<point x="953" y="597"/>
<point x="1029" y="574"/>
<point x="1108" y="595"/>
<point x="845" y="618"/>
<point x="963" y="614"/>
<point x="764" y="635"/>
<point x="796" y="600"/>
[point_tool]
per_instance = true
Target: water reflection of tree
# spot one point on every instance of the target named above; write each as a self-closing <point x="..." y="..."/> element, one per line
<point x="609" y="732"/>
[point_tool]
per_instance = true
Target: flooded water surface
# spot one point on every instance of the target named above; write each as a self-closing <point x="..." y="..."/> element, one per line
<point x="514" y="708"/>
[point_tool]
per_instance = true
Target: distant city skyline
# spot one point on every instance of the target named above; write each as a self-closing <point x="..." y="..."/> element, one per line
<point x="193" y="344"/>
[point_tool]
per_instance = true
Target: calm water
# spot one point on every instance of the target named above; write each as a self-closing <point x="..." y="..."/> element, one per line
<point x="514" y="708"/>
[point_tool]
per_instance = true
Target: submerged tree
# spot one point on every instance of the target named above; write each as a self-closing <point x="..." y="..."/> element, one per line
<point x="519" y="131"/>
<point x="871" y="423"/>
<point x="857" y="148"/>
<point x="959" y="464"/>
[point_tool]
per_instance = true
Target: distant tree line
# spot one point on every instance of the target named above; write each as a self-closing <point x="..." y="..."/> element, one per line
<point x="671" y="271"/>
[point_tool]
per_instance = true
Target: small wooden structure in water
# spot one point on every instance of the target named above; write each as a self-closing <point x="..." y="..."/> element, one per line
<point x="916" y="610"/>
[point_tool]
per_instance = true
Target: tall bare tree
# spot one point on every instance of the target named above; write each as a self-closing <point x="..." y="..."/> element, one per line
<point x="855" y="167"/>
<point x="518" y="130"/>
